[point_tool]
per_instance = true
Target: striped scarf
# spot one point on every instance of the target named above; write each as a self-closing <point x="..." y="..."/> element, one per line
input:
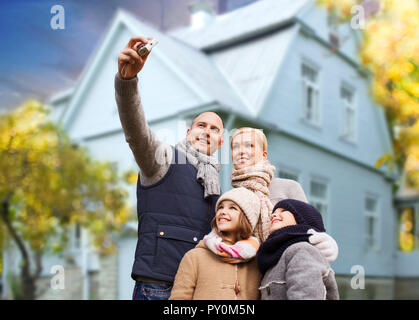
<point x="207" y="168"/>
<point x="241" y="251"/>
<point x="257" y="178"/>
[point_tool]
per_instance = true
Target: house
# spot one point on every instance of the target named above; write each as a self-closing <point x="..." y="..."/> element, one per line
<point x="278" y="66"/>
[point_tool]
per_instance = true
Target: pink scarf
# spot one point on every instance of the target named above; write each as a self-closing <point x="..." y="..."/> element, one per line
<point x="241" y="251"/>
<point x="257" y="178"/>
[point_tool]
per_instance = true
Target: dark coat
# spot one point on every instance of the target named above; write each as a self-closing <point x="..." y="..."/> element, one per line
<point x="173" y="217"/>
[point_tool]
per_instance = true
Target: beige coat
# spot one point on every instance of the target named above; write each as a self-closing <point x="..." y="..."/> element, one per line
<point x="203" y="276"/>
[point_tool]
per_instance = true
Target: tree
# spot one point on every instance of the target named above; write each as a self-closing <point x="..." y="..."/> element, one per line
<point x="390" y="52"/>
<point x="1" y="250"/>
<point x="47" y="183"/>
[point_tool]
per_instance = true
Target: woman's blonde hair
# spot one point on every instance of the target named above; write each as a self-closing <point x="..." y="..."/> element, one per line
<point x="259" y="135"/>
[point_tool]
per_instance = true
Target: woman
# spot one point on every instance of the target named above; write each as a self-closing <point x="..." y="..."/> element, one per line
<point x="222" y="265"/>
<point x="252" y="170"/>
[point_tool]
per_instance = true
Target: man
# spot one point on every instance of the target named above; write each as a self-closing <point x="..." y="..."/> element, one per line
<point x="176" y="194"/>
<point x="177" y="188"/>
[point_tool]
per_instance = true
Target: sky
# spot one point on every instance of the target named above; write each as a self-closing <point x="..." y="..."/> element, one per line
<point x="37" y="61"/>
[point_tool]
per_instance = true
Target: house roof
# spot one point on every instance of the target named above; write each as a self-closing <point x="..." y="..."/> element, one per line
<point x="248" y="45"/>
<point x="242" y="23"/>
<point x="253" y="66"/>
<point x="181" y="52"/>
<point x="194" y="64"/>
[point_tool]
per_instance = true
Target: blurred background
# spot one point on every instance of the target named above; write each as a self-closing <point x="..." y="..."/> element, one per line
<point x="334" y="84"/>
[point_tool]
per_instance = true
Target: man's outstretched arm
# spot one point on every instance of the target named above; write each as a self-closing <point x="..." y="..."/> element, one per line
<point x="152" y="156"/>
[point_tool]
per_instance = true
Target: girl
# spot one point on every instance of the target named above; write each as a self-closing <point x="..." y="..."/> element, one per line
<point x="222" y="265"/>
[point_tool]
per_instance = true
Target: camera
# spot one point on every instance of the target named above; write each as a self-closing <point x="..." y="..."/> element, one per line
<point x="144" y="49"/>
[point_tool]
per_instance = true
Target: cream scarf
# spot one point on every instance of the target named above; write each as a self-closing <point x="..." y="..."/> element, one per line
<point x="257" y="178"/>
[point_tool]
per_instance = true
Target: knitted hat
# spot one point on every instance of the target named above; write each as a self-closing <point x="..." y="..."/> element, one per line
<point x="247" y="201"/>
<point x="304" y="213"/>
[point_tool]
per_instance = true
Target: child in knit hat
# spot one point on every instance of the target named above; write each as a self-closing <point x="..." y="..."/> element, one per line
<point x="223" y="265"/>
<point x="291" y="267"/>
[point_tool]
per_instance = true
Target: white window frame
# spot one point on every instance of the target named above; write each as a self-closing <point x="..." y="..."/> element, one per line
<point x="348" y="130"/>
<point x="315" y="118"/>
<point x="372" y="241"/>
<point x="324" y="202"/>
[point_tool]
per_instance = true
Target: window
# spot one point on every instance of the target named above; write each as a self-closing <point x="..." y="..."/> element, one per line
<point x="77" y="236"/>
<point x="288" y="174"/>
<point x="311" y="103"/>
<point x="349" y="115"/>
<point x="407" y="230"/>
<point x="334" y="40"/>
<point x="318" y="199"/>
<point x="333" y="23"/>
<point x="372" y="227"/>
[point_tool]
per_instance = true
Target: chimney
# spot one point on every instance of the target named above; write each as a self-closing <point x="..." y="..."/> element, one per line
<point x="202" y="12"/>
<point x="222" y="6"/>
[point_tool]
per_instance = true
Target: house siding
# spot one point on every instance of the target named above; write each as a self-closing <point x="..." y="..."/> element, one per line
<point x="284" y="103"/>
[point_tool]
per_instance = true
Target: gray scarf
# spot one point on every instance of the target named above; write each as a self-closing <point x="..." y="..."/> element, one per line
<point x="207" y="166"/>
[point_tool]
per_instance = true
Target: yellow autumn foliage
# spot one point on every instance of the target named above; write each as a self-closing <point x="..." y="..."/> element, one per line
<point x="49" y="184"/>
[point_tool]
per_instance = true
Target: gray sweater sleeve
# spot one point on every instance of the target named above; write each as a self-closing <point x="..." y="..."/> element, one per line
<point x="297" y="192"/>
<point x="281" y="189"/>
<point x="304" y="274"/>
<point x="152" y="156"/>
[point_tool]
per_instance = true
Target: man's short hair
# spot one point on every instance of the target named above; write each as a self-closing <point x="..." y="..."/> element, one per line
<point x="194" y="119"/>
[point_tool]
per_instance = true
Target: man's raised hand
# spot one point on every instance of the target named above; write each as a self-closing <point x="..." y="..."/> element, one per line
<point x="129" y="62"/>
